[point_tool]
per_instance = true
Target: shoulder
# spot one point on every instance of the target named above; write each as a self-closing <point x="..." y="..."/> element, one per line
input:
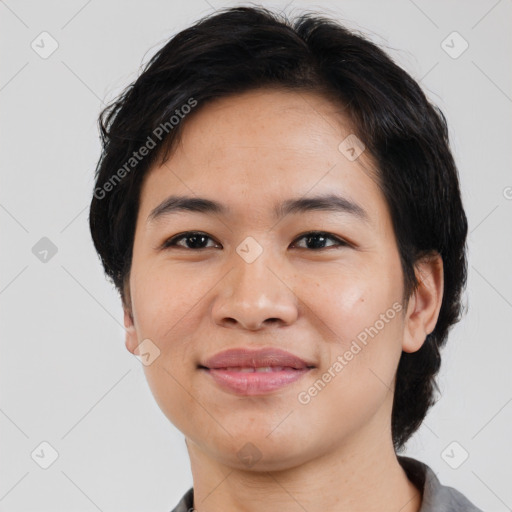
<point x="436" y="496"/>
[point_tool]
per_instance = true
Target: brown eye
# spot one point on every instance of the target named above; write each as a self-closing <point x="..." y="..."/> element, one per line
<point x="194" y="240"/>
<point x="316" y="240"/>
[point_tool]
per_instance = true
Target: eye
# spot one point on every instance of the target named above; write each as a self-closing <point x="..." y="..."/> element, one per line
<point x="196" y="240"/>
<point x="316" y="240"/>
<point x="192" y="240"/>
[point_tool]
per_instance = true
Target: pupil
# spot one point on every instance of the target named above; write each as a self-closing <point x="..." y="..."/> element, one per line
<point x="316" y="245"/>
<point x="194" y="239"/>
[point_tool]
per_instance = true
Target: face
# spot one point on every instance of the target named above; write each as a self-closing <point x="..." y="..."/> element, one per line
<point x="254" y="279"/>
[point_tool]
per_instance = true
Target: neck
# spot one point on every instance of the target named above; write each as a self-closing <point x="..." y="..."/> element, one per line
<point x="359" y="476"/>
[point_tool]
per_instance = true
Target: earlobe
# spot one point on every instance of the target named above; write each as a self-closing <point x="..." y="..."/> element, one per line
<point x="424" y="303"/>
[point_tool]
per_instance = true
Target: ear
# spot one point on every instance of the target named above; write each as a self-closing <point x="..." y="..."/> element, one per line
<point x="425" y="302"/>
<point x="131" y="341"/>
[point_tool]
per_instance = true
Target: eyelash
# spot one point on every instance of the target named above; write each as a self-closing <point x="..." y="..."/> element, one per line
<point x="171" y="242"/>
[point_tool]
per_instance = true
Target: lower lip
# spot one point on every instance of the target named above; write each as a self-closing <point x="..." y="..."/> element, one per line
<point x="254" y="383"/>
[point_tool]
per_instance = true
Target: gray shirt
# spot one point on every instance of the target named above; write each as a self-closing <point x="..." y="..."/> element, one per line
<point x="436" y="497"/>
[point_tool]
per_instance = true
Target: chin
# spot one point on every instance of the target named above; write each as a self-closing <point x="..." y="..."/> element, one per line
<point x="261" y="453"/>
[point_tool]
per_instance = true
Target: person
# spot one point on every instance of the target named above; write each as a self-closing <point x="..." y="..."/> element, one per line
<point x="278" y="206"/>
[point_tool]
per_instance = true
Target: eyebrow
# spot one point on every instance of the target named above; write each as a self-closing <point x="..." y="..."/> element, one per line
<point x="328" y="202"/>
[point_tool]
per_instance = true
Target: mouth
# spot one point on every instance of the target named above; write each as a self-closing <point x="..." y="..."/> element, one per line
<point x="249" y="381"/>
<point x="254" y="372"/>
<point x="258" y="369"/>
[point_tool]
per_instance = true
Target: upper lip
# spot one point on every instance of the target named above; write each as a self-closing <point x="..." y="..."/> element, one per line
<point x="255" y="358"/>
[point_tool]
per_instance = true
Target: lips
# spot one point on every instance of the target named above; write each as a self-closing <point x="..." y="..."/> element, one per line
<point x="265" y="359"/>
<point x="255" y="372"/>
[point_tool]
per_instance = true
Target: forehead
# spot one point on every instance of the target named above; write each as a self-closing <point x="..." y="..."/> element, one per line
<point x="267" y="118"/>
<point x="261" y="146"/>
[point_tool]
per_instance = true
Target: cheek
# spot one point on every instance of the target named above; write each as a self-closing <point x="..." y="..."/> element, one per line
<point x="167" y="299"/>
<point x="361" y="324"/>
<point x="359" y="315"/>
<point x="347" y="300"/>
<point x="168" y="310"/>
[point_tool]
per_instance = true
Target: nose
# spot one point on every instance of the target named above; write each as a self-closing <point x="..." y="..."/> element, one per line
<point x="254" y="295"/>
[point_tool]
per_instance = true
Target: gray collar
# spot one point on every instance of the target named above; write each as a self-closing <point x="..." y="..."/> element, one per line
<point x="436" y="497"/>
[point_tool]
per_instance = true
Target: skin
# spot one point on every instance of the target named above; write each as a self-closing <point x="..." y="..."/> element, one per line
<point x="251" y="151"/>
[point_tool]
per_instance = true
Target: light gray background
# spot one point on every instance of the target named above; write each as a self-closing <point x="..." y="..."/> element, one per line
<point x="66" y="377"/>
